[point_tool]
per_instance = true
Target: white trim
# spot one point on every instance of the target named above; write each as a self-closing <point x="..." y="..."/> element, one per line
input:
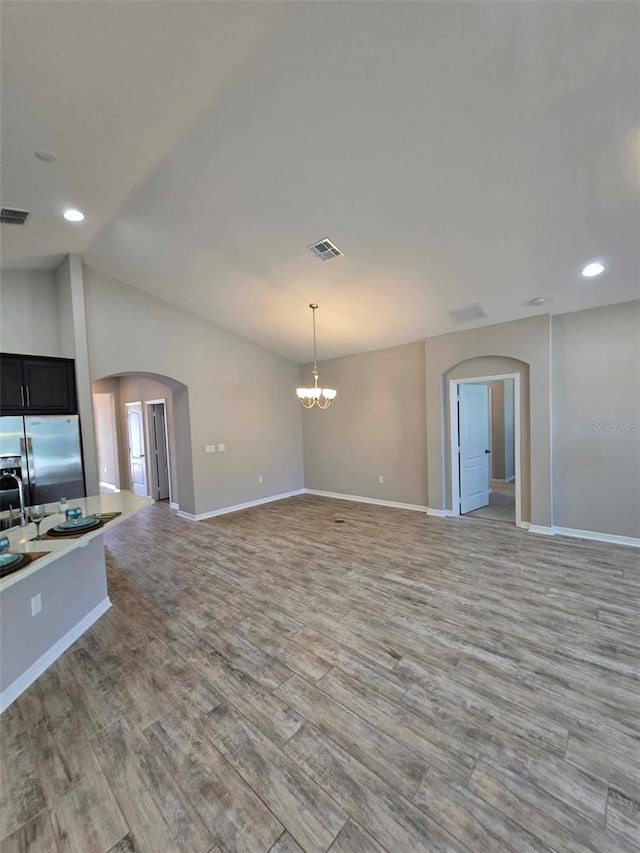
<point x="358" y="499"/>
<point x="539" y="528"/>
<point x="453" y="439"/>
<point x="227" y="509"/>
<point x="11" y="693"/>
<point x="110" y="486"/>
<point x="173" y="505"/>
<point x="439" y="513"/>
<point x="594" y="535"/>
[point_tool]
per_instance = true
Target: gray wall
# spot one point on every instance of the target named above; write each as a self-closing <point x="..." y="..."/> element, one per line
<point x="502" y="429"/>
<point x="375" y="426"/>
<point x="29" y="321"/>
<point x="509" y="431"/>
<point x="239" y="394"/>
<point x="104" y="417"/>
<point x="496" y="390"/>
<point x="596" y="388"/>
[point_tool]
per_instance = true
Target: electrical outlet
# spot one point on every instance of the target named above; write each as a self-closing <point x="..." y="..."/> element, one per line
<point x="36" y="604"/>
<point x="380" y="478"/>
<point x="209" y="448"/>
<point x="260" y="479"/>
<point x="221" y="448"/>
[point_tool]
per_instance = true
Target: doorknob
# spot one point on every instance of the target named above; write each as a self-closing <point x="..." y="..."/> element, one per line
<point x="487" y="451"/>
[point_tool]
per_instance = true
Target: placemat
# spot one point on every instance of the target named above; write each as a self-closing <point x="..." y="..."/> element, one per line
<point x="104" y="518"/>
<point x="26" y="559"/>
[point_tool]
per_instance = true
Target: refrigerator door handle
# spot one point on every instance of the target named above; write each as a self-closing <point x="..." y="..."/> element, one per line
<point x="30" y="463"/>
<point x="28" y="400"/>
<point x="24" y="464"/>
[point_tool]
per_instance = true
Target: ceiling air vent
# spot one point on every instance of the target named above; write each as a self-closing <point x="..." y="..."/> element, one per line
<point x="325" y="250"/>
<point x="9" y="216"/>
<point x="469" y="313"/>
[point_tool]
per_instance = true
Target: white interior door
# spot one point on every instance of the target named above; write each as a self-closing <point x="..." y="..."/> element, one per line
<point x="473" y="420"/>
<point x="137" y="463"/>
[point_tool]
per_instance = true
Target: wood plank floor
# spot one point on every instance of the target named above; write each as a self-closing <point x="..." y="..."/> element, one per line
<point x="274" y="680"/>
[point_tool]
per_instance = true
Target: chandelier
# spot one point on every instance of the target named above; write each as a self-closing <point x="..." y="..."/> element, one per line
<point x="320" y="397"/>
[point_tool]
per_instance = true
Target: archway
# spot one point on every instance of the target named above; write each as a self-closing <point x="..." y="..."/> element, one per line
<point x="154" y="393"/>
<point x="482" y="370"/>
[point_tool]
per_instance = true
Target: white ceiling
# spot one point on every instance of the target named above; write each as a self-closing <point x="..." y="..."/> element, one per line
<point x="456" y="152"/>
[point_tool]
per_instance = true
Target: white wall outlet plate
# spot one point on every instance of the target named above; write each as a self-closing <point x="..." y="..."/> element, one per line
<point x="36" y="604"/>
<point x="209" y="448"/>
<point x="221" y="448"/>
<point x="380" y="478"/>
<point x="260" y="479"/>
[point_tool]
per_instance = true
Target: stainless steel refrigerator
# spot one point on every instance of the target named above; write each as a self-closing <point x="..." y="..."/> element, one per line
<point x="45" y="453"/>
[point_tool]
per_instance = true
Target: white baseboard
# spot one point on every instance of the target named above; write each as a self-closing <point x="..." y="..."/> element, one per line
<point x="111" y="487"/>
<point x="173" y="505"/>
<point x="358" y="499"/>
<point x="225" y="510"/>
<point x="541" y="529"/>
<point x="11" y="693"/>
<point x="614" y="538"/>
<point x="439" y="513"/>
<point x="594" y="535"/>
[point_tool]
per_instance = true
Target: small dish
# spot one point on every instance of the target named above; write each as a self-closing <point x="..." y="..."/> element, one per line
<point x="86" y="523"/>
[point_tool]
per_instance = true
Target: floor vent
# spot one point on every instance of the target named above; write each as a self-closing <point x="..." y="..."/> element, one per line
<point x="325" y="250"/>
<point x="9" y="216"/>
<point x="338" y="520"/>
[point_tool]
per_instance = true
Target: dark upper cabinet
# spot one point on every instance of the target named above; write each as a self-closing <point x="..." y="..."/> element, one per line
<point x="11" y="384"/>
<point x="37" y="385"/>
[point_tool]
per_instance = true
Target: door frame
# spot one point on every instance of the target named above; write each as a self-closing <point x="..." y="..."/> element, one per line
<point x="153" y="479"/>
<point x="453" y="438"/>
<point x="145" y="438"/>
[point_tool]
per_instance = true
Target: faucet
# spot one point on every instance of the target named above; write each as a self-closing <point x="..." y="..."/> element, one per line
<point x="23" y="519"/>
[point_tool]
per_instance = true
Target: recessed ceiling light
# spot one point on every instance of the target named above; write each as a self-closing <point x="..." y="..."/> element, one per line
<point x="46" y="156"/>
<point x="593" y="269"/>
<point x="539" y="300"/>
<point x="73" y="215"/>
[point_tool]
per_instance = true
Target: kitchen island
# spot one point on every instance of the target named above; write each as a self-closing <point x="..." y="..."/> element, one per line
<point x="48" y="604"/>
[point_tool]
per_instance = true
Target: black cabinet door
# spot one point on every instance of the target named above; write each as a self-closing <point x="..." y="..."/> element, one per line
<point x="49" y="385"/>
<point x="11" y="384"/>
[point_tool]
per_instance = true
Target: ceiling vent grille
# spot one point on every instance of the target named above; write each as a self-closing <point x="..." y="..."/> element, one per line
<point x="9" y="216"/>
<point x="468" y="314"/>
<point x="325" y="250"/>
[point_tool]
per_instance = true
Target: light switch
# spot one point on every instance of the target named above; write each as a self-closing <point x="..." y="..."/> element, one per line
<point x="36" y="604"/>
<point x="221" y="448"/>
<point x="210" y="448"/>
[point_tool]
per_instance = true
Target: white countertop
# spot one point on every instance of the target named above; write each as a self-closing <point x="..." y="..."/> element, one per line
<point x="21" y="538"/>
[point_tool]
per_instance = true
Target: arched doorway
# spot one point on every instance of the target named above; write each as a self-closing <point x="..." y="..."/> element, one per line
<point x="475" y="442"/>
<point x="143" y="436"/>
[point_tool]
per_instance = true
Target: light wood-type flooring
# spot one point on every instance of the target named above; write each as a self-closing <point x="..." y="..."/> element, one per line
<point x="274" y="680"/>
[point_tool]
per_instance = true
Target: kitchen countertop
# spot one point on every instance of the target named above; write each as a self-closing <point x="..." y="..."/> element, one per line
<point x="21" y="538"/>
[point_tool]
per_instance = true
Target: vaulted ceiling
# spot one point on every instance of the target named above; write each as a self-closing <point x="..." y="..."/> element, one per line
<point x="455" y="152"/>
